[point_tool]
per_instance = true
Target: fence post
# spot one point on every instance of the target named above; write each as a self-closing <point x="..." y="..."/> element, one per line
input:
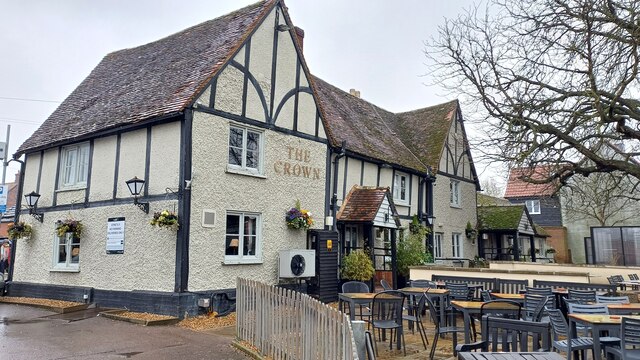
<point x="358" y="337"/>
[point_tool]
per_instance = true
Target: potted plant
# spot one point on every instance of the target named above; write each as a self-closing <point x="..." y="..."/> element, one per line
<point x="298" y="218"/>
<point x="550" y="251"/>
<point x="411" y="251"/>
<point x="69" y="226"/>
<point x="357" y="265"/>
<point x="19" y="230"/>
<point x="165" y="219"/>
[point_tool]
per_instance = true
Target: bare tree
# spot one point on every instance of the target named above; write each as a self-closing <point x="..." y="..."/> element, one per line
<point x="491" y="187"/>
<point x="603" y="197"/>
<point x="551" y="80"/>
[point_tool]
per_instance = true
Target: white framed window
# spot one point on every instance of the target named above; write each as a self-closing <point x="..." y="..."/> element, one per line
<point x="533" y="206"/>
<point x="351" y="237"/>
<point x="66" y="252"/>
<point x="401" y="188"/>
<point x="454" y="187"/>
<point x="245" y="150"/>
<point x="243" y="239"/>
<point x="437" y="245"/>
<point x="456" y="245"/>
<point x="74" y="166"/>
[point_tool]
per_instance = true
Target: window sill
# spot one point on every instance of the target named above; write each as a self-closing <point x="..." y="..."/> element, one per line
<point x="231" y="170"/>
<point x="66" y="269"/>
<point x="455" y="206"/>
<point x="242" y="262"/>
<point x="400" y="202"/>
<point x="81" y="187"/>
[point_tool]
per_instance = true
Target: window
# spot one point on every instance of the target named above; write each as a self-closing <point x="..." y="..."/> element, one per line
<point x="351" y="237"/>
<point x="74" y="166"/>
<point x="400" y="184"/>
<point x="456" y="245"/>
<point x="437" y="245"/>
<point x="66" y="252"/>
<point x="243" y="238"/>
<point x="245" y="150"/>
<point x="533" y="206"/>
<point x="454" y="187"/>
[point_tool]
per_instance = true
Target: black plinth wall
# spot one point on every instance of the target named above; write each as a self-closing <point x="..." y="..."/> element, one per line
<point x="325" y="283"/>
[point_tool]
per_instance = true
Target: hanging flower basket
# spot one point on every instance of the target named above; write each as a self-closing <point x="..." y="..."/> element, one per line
<point x="69" y="226"/>
<point x="298" y="218"/>
<point x="165" y="219"/>
<point x="20" y="230"/>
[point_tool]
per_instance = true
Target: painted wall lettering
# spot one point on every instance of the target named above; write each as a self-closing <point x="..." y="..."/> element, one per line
<point x="296" y="164"/>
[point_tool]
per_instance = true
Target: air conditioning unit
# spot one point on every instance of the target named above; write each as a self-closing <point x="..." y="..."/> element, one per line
<point x="297" y="263"/>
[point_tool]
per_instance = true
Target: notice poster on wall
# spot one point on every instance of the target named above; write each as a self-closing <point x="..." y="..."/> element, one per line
<point x="115" y="235"/>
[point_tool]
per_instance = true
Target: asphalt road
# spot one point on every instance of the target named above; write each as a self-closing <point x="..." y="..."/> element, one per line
<point x="30" y="333"/>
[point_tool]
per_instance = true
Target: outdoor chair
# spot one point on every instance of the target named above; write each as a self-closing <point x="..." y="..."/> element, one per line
<point x="507" y="309"/>
<point x="582" y="296"/>
<point x="414" y="315"/>
<point x="386" y="314"/>
<point x="441" y="330"/>
<point x="510" y="335"/>
<point x="539" y="290"/>
<point x="486" y="295"/>
<point x="368" y="341"/>
<point x="385" y="285"/>
<point x="616" y="280"/>
<point x="633" y="277"/>
<point x="427" y="284"/>
<point x="458" y="291"/>
<point x="560" y="329"/>
<point x="629" y="341"/>
<point x="357" y="287"/>
<point x="602" y="299"/>
<point x="534" y="306"/>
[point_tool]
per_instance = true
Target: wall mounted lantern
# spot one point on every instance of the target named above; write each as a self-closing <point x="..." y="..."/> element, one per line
<point x="32" y="202"/>
<point x="430" y="219"/>
<point x="135" y="186"/>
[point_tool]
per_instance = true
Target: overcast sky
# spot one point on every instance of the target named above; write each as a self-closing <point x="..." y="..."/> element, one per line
<point x="49" y="47"/>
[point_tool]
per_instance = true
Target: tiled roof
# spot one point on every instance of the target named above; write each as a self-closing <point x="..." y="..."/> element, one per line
<point x="362" y="204"/>
<point x="487" y="200"/>
<point x="500" y="217"/>
<point x="517" y="187"/>
<point x="363" y="126"/>
<point x="540" y="231"/>
<point x="157" y="79"/>
<point x="425" y="131"/>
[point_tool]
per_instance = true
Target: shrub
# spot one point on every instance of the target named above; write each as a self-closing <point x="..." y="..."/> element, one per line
<point x="411" y="251"/>
<point x="357" y="266"/>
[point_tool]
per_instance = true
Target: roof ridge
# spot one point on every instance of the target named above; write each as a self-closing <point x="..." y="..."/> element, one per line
<point x="427" y="107"/>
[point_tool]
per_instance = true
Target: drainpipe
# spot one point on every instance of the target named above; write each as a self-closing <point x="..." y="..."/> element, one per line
<point x="334" y="199"/>
<point x="16" y="216"/>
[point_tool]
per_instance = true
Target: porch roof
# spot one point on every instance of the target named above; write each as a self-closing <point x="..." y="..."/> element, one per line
<point x="500" y="217"/>
<point x="364" y="204"/>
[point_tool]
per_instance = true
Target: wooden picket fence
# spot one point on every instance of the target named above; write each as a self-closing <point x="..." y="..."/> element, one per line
<point x="286" y="324"/>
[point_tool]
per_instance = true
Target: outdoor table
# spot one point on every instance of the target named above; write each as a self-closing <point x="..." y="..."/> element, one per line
<point x="509" y="356"/>
<point x="505" y="296"/>
<point x="598" y="324"/>
<point x="354" y="299"/>
<point x="624" y="309"/>
<point x="441" y="294"/>
<point x="468" y="308"/>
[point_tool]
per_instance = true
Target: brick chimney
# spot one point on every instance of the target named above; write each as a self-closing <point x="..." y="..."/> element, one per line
<point x="300" y="36"/>
<point x="354" y="92"/>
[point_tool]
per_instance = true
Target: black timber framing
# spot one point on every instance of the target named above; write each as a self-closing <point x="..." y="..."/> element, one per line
<point x="455" y="177"/>
<point x="87" y="190"/>
<point x="327" y="186"/>
<point x="117" y="167"/>
<point x="101" y="203"/>
<point x="247" y="59"/>
<point x="274" y="63"/>
<point x="361" y="173"/>
<point x="212" y="93"/>
<point x="344" y="178"/>
<point x="57" y="179"/>
<point x="184" y="204"/>
<point x="258" y="123"/>
<point x="297" y="96"/>
<point x="39" y="171"/>
<point x="147" y="162"/>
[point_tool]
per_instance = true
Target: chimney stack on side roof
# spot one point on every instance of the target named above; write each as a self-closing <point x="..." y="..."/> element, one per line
<point x="354" y="92"/>
<point x="300" y="36"/>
